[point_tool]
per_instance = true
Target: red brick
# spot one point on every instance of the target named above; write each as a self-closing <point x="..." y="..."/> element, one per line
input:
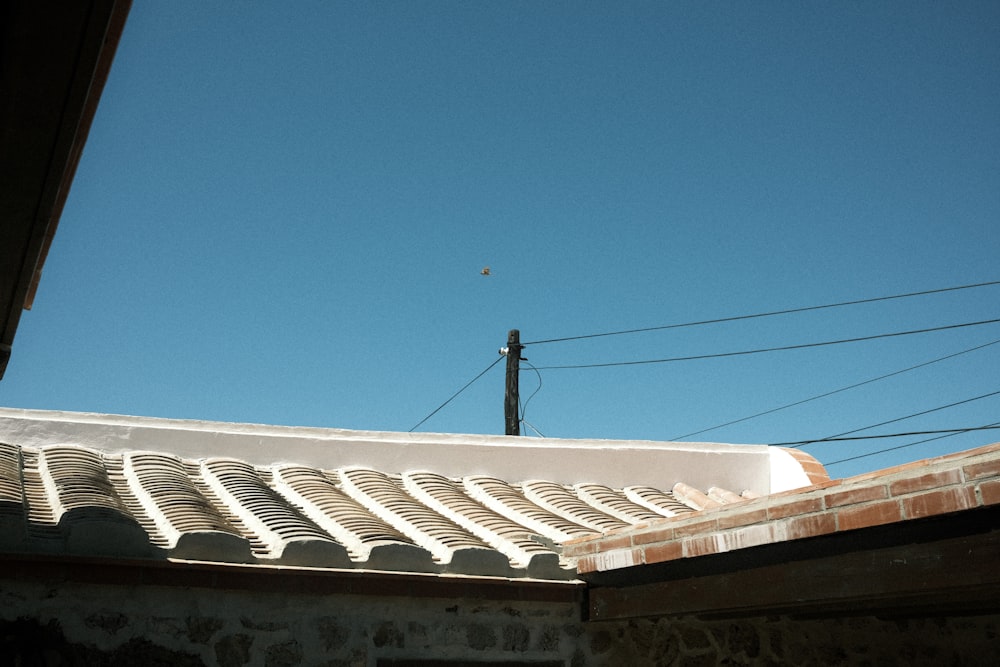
<point x="894" y="470"/>
<point x="828" y="484"/>
<point x="610" y="560"/>
<point x="701" y="546"/>
<point x="934" y="480"/>
<point x="748" y="536"/>
<point x="969" y="453"/>
<point x="868" y="514"/>
<point x="811" y="525"/>
<point x="990" y="492"/>
<point x="697" y="528"/>
<point x="742" y="518"/>
<point x="804" y="506"/>
<point x="616" y="542"/>
<point x="658" y="553"/>
<point x="789" y="493"/>
<point x="856" y="494"/>
<point x="942" y="501"/>
<point x="983" y="469"/>
<point x="658" y="535"/>
<point x="581" y="548"/>
<point x="586" y="564"/>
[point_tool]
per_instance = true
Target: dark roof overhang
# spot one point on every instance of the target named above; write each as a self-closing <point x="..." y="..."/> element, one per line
<point x="54" y="61"/>
<point x="284" y="579"/>
<point x="944" y="565"/>
<point x="919" y="538"/>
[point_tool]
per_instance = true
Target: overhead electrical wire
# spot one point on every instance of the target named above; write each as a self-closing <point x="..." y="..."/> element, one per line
<point x="782" y="348"/>
<point x="467" y="385"/>
<point x="532" y="427"/>
<point x="899" y="419"/>
<point x="835" y="391"/>
<point x="963" y="429"/>
<point x="744" y="352"/>
<point x="912" y="444"/>
<point x="767" y="314"/>
<point x="843" y="436"/>
<point x="524" y="408"/>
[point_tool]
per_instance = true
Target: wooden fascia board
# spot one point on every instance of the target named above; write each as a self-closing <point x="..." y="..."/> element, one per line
<point x="954" y="574"/>
<point x="103" y="31"/>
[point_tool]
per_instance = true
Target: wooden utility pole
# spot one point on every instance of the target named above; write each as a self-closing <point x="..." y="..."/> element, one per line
<point x="511" y="397"/>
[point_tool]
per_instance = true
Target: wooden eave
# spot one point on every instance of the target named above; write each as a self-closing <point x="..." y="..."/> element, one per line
<point x="54" y="61"/>
<point x="942" y="565"/>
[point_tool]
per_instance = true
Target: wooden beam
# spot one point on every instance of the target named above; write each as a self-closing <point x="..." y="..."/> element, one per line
<point x="952" y="575"/>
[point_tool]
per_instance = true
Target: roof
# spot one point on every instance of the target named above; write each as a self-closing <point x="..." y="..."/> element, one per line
<point x="130" y="487"/>
<point x="648" y="528"/>
<point x="53" y="65"/>
<point x="924" y="534"/>
<point x="917" y="490"/>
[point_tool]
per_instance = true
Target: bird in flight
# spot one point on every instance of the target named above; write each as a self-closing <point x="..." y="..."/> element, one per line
<point x="485" y="271"/>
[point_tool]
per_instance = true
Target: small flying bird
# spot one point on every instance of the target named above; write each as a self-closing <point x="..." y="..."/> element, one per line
<point x="485" y="271"/>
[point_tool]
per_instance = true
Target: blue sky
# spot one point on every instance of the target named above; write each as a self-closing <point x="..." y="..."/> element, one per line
<point x="281" y="216"/>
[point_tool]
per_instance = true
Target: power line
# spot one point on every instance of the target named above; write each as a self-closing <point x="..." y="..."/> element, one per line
<point x="899" y="419"/>
<point x="770" y="349"/>
<point x="767" y="314"/>
<point x="911" y="444"/>
<point x="524" y="408"/>
<point x="905" y="434"/>
<point x="532" y="427"/>
<point x="467" y="385"/>
<point x="835" y="391"/>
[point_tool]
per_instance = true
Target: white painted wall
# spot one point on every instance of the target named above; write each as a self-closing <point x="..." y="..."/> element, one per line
<point x="615" y="463"/>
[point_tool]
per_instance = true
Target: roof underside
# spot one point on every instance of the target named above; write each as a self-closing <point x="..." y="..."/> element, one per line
<point x="917" y="538"/>
<point x="53" y="65"/>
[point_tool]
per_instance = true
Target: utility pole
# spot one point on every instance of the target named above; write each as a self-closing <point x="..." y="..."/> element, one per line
<point x="511" y="397"/>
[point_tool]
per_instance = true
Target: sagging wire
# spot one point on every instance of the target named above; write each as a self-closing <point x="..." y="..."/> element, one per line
<point x="467" y="385"/>
<point x="835" y="391"/>
<point x="911" y="444"/>
<point x="768" y="314"/>
<point x="524" y="408"/>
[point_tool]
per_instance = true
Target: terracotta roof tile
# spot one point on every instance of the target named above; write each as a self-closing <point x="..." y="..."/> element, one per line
<point x="508" y="537"/>
<point x="561" y="500"/>
<point x="502" y="497"/>
<point x="615" y="503"/>
<point x="483" y="505"/>
<point x="694" y="498"/>
<point x="226" y="510"/>
<point x="660" y="502"/>
<point x="453" y="547"/>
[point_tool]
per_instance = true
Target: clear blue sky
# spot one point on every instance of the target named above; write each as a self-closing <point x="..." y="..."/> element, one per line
<point x="282" y="213"/>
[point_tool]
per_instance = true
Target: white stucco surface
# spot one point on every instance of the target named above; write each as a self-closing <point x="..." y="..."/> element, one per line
<point x="618" y="463"/>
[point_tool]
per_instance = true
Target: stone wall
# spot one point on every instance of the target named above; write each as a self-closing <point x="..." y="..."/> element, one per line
<point x="861" y="640"/>
<point x="86" y="624"/>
